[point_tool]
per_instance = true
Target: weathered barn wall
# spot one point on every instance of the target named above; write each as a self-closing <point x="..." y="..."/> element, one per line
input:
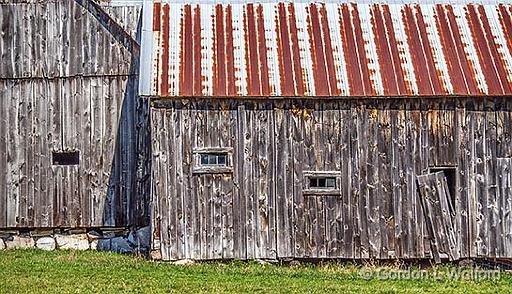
<point x="59" y="39"/>
<point x="380" y="147"/>
<point x="68" y="83"/>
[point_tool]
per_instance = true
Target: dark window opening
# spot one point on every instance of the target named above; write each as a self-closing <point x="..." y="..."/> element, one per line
<point x="214" y="159"/>
<point x="322" y="183"/>
<point x="450" y="174"/>
<point x="65" y="158"/>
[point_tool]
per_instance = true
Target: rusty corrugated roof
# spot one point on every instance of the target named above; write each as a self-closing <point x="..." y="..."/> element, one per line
<point x="326" y="49"/>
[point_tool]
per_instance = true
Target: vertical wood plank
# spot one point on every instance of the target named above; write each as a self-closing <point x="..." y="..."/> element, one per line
<point x="4" y="102"/>
<point x="284" y="182"/>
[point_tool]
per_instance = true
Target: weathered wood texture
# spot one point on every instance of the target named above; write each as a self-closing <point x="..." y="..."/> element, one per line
<point x="91" y="115"/>
<point x="379" y="146"/>
<point x="67" y="84"/>
<point x="59" y="38"/>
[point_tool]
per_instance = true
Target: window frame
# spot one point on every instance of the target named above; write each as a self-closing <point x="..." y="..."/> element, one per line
<point x="200" y="168"/>
<point x="317" y="191"/>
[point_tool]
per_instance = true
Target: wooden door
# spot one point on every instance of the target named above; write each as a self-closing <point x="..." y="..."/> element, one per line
<point x="439" y="215"/>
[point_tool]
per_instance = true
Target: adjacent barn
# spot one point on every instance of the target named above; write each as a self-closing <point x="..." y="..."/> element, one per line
<point x="69" y="128"/>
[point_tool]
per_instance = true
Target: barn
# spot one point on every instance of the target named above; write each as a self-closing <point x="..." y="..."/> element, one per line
<point x="70" y="128"/>
<point x="329" y="129"/>
<point x="257" y="129"/>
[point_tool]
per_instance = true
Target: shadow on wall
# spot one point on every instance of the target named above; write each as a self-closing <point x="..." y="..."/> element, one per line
<point x="127" y="202"/>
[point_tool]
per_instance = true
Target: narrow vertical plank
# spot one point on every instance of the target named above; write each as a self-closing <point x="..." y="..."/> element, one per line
<point x="264" y="163"/>
<point x="242" y="197"/>
<point x="307" y="158"/>
<point x="193" y="210"/>
<point x="164" y="166"/>
<point x="31" y="152"/>
<point x="296" y="200"/>
<point x="4" y="110"/>
<point x="257" y="230"/>
<point x="374" y="201"/>
<point x="504" y="183"/>
<point x="237" y="224"/>
<point x="493" y="228"/>
<point x="348" y="245"/>
<point x="271" y="249"/>
<point x="359" y="145"/>
<point x="23" y="150"/>
<point x="480" y="182"/>
<point x="384" y="187"/>
<point x="188" y="199"/>
<point x="179" y="189"/>
<point x="284" y="178"/>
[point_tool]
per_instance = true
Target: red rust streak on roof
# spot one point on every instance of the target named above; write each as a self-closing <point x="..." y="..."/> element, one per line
<point x="262" y="52"/>
<point x="484" y="55"/>
<point x="219" y="72"/>
<point x="157" y="6"/>
<point x="506" y="24"/>
<point x="449" y="49"/>
<point x="427" y="48"/>
<point x="317" y="52"/>
<point x="165" y="54"/>
<point x="157" y="12"/>
<point x="230" y="60"/>
<point x="466" y="64"/>
<point x="350" y="51"/>
<point x="393" y="44"/>
<point x="297" y="68"/>
<point x="186" y="54"/>
<point x="285" y="58"/>
<point x="499" y="63"/>
<point x="328" y="51"/>
<point x="253" y="86"/>
<point x="418" y="58"/>
<point x="383" y="52"/>
<point x="363" y="59"/>
<point x="198" y="88"/>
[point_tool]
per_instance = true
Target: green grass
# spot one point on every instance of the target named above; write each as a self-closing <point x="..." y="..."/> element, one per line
<point x="31" y="271"/>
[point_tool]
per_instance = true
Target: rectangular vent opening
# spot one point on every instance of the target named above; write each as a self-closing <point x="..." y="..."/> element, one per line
<point x="65" y="157"/>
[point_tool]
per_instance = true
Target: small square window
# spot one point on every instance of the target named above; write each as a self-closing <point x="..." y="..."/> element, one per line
<point x="322" y="183"/>
<point x="213" y="160"/>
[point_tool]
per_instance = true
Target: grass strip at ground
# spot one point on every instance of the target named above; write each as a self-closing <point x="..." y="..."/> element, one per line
<point x="35" y="271"/>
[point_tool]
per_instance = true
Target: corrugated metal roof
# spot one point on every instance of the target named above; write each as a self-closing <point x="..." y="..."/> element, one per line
<point x="326" y="49"/>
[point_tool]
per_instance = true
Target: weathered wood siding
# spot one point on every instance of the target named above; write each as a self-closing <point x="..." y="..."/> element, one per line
<point x="59" y="38"/>
<point x="380" y="147"/>
<point x="66" y="83"/>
